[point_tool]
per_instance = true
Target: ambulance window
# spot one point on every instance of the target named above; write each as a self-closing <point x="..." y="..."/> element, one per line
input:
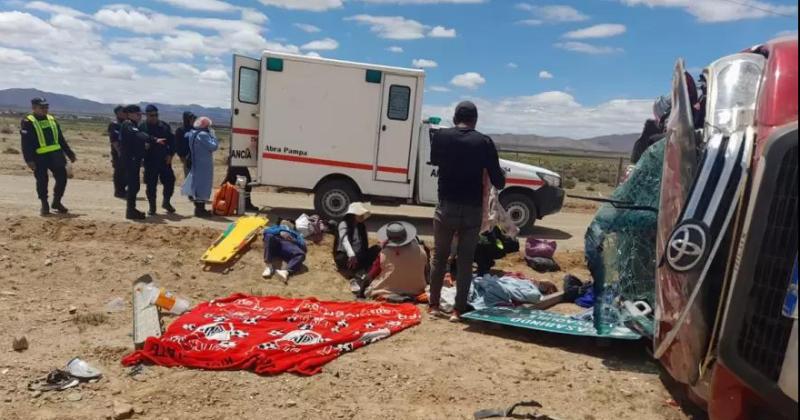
<point x="248" y="85"/>
<point x="399" y="102"/>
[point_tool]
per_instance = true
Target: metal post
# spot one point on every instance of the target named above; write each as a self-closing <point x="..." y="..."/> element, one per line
<point x="620" y="170"/>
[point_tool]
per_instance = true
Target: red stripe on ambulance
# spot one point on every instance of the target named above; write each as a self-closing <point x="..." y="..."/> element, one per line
<point x="333" y="163"/>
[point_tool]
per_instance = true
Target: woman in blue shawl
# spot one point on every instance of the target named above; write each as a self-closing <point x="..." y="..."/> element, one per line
<point x="202" y="144"/>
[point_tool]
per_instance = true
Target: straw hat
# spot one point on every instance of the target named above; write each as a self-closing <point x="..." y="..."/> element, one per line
<point x="359" y="209"/>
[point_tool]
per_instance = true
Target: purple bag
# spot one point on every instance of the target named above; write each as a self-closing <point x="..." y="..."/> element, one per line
<point x="540" y="248"/>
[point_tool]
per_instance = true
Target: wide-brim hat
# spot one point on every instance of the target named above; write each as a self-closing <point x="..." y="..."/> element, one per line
<point x="397" y="234"/>
<point x="358" y="209"/>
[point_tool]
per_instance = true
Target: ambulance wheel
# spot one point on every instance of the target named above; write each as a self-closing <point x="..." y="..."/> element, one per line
<point x="521" y="210"/>
<point x="332" y="198"/>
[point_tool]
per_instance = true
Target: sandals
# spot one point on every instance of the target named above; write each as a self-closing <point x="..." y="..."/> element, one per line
<point x="58" y="380"/>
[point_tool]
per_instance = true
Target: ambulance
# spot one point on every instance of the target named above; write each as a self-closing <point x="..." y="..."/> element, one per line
<point x="350" y="132"/>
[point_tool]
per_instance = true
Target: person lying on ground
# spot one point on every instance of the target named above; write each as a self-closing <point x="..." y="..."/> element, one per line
<point x="351" y="251"/>
<point x="282" y="241"/>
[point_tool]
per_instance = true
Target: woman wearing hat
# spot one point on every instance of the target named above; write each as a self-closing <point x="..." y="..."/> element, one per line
<point x="400" y="271"/>
<point x="351" y="250"/>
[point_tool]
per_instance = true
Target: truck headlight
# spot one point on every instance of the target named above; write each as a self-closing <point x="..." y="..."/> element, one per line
<point x="733" y="87"/>
<point x="551" y="180"/>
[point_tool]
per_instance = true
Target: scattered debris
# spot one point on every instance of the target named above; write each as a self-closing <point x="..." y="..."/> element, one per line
<point x="56" y="380"/>
<point x="94" y="319"/>
<point x="48" y="262"/>
<point x="122" y="410"/>
<point x="20" y="344"/>
<point x="116" y="305"/>
<point x="82" y="370"/>
<point x="72" y="310"/>
<point x="74" y="397"/>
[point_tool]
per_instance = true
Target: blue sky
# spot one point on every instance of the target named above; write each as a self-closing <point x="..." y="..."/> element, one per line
<point x="561" y="67"/>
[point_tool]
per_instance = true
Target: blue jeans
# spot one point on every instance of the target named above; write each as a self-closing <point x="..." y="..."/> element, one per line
<point x="277" y="247"/>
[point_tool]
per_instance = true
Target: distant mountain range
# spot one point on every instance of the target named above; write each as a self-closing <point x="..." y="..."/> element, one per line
<point x="19" y="100"/>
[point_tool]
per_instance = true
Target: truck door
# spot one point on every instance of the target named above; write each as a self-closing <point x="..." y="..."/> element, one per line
<point x="427" y="175"/>
<point x="396" y="128"/>
<point x="245" y="110"/>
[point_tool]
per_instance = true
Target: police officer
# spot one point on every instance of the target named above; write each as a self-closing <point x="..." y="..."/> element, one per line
<point x="44" y="149"/>
<point x="134" y="145"/>
<point x="116" y="163"/>
<point x="158" y="160"/>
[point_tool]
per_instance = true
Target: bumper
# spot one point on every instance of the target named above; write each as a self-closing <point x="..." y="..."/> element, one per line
<point x="549" y="200"/>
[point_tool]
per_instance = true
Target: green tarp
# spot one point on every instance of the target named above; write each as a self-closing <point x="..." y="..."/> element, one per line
<point x="534" y="319"/>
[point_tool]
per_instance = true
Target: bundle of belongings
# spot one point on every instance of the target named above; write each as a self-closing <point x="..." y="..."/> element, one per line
<point x="271" y="335"/>
<point x="400" y="272"/>
<point x="311" y="227"/>
<point x="539" y="255"/>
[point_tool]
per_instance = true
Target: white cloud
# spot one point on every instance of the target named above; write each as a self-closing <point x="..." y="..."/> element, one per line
<point x="326" y="44"/>
<point x="53" y="8"/>
<point x="605" y="30"/>
<point x="424" y="63"/>
<point x="284" y="48"/>
<point x="544" y="74"/>
<point x="785" y="34"/>
<point x="442" y="32"/>
<point x="469" y="80"/>
<point x="400" y="28"/>
<point x="512" y="65"/>
<point x="309" y="5"/>
<point x="425" y="1"/>
<point x="202" y="5"/>
<point x="582" y="47"/>
<point x="117" y="71"/>
<point x="14" y="57"/>
<point x="554" y="13"/>
<point x="712" y="11"/>
<point x="254" y="16"/>
<point x="215" y="75"/>
<point x="313" y="54"/>
<point x="556" y="114"/>
<point x="440" y="89"/>
<point x="530" y="22"/>
<point x="395" y="49"/>
<point x="392" y="27"/>
<point x="311" y="29"/>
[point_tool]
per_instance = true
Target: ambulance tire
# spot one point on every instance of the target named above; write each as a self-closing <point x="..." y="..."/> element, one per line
<point x="333" y="197"/>
<point x="521" y="209"/>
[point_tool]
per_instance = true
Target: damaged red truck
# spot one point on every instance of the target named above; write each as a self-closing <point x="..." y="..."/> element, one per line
<point x="732" y="340"/>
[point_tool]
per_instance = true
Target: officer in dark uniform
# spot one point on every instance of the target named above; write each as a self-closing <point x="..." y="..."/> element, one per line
<point x="116" y="163"/>
<point x="134" y="146"/>
<point x="158" y="160"/>
<point x="182" y="144"/>
<point x="44" y="149"/>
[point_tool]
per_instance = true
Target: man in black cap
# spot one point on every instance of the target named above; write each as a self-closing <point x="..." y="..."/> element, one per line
<point x="44" y="149"/>
<point x="134" y="143"/>
<point x="113" y="138"/>
<point x="182" y="143"/>
<point x="158" y="160"/>
<point x="462" y="155"/>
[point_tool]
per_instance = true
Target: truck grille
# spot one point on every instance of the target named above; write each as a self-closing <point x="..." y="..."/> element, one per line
<point x="765" y="331"/>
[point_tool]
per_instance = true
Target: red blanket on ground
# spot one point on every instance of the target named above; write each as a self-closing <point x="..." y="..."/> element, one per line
<point x="271" y="335"/>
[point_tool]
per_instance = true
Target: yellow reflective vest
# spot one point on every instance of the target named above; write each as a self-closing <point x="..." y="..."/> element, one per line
<point x="39" y="126"/>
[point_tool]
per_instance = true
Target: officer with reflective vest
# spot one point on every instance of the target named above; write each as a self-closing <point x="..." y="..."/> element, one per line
<point x="44" y="149"/>
<point x="134" y="144"/>
<point x="116" y="148"/>
<point x="158" y="160"/>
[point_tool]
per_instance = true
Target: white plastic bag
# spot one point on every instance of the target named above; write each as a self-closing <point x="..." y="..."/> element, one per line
<point x="303" y="225"/>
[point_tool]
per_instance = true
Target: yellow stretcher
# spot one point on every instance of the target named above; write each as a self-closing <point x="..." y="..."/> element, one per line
<point x="235" y="238"/>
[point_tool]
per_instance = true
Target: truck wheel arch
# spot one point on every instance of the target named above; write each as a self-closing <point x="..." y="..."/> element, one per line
<point x="342" y="187"/>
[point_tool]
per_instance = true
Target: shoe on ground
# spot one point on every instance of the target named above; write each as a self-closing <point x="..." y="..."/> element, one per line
<point x="455" y="317"/>
<point x="168" y="208"/>
<point x="434" y="312"/>
<point x="355" y="286"/>
<point x="121" y="195"/>
<point x="268" y="272"/>
<point x="202" y="213"/>
<point x="151" y="212"/>
<point x="57" y="206"/>
<point x="283" y="275"/>
<point x="134" y="215"/>
<point x="45" y="210"/>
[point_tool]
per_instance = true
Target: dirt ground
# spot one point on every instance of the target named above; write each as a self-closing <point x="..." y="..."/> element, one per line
<point x="58" y="274"/>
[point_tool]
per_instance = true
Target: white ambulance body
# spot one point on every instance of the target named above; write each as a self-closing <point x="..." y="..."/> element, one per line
<point x="352" y="132"/>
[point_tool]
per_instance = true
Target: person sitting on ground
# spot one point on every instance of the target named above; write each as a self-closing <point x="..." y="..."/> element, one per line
<point x="202" y="144"/>
<point x="401" y="270"/>
<point x="282" y="241"/>
<point x="351" y="250"/>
